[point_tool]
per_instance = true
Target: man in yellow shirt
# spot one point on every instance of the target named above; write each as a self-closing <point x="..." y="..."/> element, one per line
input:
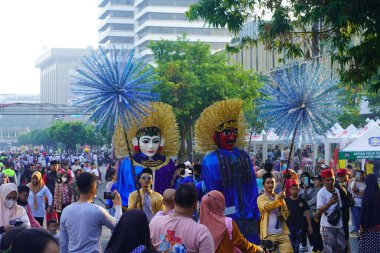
<point x="149" y="201"/>
<point x="274" y="213"/>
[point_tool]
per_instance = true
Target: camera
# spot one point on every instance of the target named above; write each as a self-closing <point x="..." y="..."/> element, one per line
<point x="109" y="195"/>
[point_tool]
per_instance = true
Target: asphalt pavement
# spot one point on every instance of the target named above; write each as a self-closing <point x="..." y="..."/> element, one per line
<point x="106" y="232"/>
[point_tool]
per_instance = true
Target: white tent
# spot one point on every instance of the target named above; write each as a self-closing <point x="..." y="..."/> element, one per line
<point x="367" y="146"/>
<point x="371" y="124"/>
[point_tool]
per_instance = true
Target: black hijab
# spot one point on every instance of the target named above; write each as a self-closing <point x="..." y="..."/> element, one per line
<point x="371" y="203"/>
<point x="131" y="231"/>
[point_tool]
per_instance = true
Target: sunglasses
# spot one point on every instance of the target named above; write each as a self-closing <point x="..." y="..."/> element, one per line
<point x="146" y="178"/>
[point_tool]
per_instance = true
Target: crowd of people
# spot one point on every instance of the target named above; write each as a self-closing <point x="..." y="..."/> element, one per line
<point x="55" y="207"/>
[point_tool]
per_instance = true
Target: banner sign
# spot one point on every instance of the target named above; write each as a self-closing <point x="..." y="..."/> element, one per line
<point x="359" y="155"/>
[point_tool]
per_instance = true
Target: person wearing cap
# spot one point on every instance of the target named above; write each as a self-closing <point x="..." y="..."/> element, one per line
<point x="346" y="197"/>
<point x="50" y="178"/>
<point x="328" y="199"/>
<point x="311" y="197"/>
<point x="298" y="208"/>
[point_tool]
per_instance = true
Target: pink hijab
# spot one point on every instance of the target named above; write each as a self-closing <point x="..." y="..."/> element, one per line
<point x="9" y="214"/>
<point x="212" y="215"/>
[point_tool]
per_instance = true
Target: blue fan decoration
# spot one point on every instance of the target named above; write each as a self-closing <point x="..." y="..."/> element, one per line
<point x="113" y="87"/>
<point x="302" y="103"/>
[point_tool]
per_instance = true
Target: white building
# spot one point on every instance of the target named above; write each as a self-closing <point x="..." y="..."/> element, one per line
<point x="153" y="20"/>
<point x="116" y="26"/>
<point x="56" y="67"/>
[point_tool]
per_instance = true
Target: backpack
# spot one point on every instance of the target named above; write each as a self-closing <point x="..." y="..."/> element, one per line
<point x="228" y="222"/>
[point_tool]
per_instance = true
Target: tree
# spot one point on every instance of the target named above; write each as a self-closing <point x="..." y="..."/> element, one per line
<point x="348" y="29"/>
<point x="36" y="137"/>
<point x="191" y="78"/>
<point x="351" y="115"/>
<point x="373" y="103"/>
<point x="69" y="134"/>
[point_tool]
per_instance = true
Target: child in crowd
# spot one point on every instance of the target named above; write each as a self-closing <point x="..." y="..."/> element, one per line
<point x="112" y="176"/>
<point x="298" y="208"/>
<point x="168" y="202"/>
<point x="52" y="227"/>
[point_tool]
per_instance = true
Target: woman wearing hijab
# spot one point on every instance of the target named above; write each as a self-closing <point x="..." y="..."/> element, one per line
<point x="136" y="240"/>
<point x="370" y="218"/>
<point x="63" y="192"/>
<point x="36" y="199"/>
<point x="225" y="232"/>
<point x="11" y="214"/>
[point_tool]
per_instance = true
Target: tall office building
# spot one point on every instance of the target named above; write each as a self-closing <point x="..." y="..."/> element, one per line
<point x="116" y="26"/>
<point x="165" y="19"/>
<point x="56" y="66"/>
<point x="262" y="60"/>
<point x="153" y="20"/>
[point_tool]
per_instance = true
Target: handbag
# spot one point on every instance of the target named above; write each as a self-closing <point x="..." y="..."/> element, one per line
<point x="334" y="217"/>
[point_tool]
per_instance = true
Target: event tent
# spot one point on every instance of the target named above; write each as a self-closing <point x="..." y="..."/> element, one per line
<point x="367" y="146"/>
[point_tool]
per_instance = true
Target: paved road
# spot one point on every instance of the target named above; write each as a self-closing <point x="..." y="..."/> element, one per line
<point x="106" y="233"/>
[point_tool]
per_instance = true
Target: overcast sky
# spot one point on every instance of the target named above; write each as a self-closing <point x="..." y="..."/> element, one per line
<point x="28" y="28"/>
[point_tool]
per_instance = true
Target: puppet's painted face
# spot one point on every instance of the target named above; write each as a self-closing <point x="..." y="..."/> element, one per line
<point x="149" y="145"/>
<point x="148" y="141"/>
<point x="226" y="135"/>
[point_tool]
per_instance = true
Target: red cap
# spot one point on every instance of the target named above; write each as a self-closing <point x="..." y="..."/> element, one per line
<point x="292" y="182"/>
<point x="342" y="172"/>
<point x="327" y="173"/>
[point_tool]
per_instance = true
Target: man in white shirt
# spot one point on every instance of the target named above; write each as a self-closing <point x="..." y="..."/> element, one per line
<point x="95" y="159"/>
<point x="87" y="167"/>
<point x="81" y="159"/>
<point x="75" y="166"/>
<point x="328" y="199"/>
<point x="94" y="170"/>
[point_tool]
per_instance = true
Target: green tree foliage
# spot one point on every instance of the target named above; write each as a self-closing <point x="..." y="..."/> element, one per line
<point x="191" y="78"/>
<point x="349" y="29"/>
<point x="351" y="110"/>
<point x="69" y="134"/>
<point x="36" y="137"/>
<point x="373" y="103"/>
<point x="351" y="115"/>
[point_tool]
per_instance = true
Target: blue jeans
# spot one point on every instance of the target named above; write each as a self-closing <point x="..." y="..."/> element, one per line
<point x="355" y="217"/>
<point x="295" y="238"/>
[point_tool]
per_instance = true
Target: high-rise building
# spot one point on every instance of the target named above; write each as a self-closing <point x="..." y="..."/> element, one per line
<point x="56" y="67"/>
<point x="116" y="26"/>
<point x="262" y="60"/>
<point x="165" y="19"/>
<point x="153" y="20"/>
